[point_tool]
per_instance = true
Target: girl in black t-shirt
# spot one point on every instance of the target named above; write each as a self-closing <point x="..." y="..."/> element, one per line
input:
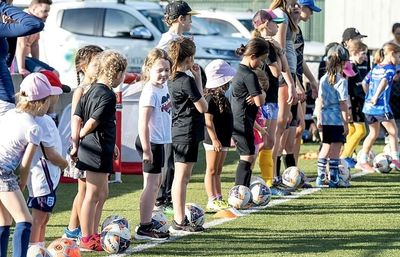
<point x="94" y="143"/>
<point x="188" y="106"/>
<point x="218" y="133"/>
<point x="245" y="85"/>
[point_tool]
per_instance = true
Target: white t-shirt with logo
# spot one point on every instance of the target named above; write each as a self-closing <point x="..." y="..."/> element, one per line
<point x="37" y="183"/>
<point x="17" y="130"/>
<point x="160" y="119"/>
<point x="165" y="39"/>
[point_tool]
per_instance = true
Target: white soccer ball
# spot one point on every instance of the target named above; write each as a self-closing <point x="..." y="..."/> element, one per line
<point x="370" y="157"/>
<point x="160" y="221"/>
<point x="116" y="237"/>
<point x="261" y="194"/>
<point x="195" y="214"/>
<point x="37" y="251"/>
<point x="344" y="175"/>
<point x="292" y="177"/>
<point x="382" y="163"/>
<point x="239" y="196"/>
<point x="256" y="179"/>
<point x="109" y="219"/>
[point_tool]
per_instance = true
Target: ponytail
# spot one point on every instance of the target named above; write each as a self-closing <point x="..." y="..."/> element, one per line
<point x="334" y="66"/>
<point x="255" y="33"/>
<point x="379" y="56"/>
<point x="179" y="50"/>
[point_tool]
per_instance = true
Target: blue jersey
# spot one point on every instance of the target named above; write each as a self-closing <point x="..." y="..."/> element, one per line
<point x="331" y="96"/>
<point x="373" y="79"/>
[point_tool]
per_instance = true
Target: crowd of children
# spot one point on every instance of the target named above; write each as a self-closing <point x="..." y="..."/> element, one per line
<point x="260" y="105"/>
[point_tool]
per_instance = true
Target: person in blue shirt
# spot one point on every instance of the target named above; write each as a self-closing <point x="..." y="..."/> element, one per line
<point x="377" y="86"/>
<point x="332" y="115"/>
<point x="15" y="23"/>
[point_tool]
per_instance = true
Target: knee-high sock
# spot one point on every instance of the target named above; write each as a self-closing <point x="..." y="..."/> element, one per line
<point x="278" y="166"/>
<point x="266" y="164"/>
<point x="243" y="173"/>
<point x="322" y="166"/>
<point x="334" y="169"/>
<point x="21" y="239"/>
<point x="4" y="236"/>
<point x="289" y="160"/>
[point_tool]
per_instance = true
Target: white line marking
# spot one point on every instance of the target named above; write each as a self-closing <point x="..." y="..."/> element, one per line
<point x="282" y="200"/>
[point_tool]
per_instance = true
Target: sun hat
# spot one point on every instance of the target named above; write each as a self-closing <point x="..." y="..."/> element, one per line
<point x="178" y="8"/>
<point x="36" y="86"/>
<point x="218" y="73"/>
<point x="264" y="15"/>
<point x="55" y="81"/>
<point x="310" y="4"/>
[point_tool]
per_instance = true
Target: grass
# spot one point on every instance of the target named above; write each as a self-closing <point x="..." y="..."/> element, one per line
<point x="360" y="221"/>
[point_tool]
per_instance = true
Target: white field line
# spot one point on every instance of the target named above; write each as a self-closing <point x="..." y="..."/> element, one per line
<point x="285" y="199"/>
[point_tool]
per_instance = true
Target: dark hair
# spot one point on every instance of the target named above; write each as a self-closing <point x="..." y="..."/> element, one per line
<point x="218" y="95"/>
<point x="395" y="26"/>
<point x="256" y="46"/>
<point x="49" y="2"/>
<point x="329" y="46"/>
<point x="180" y="49"/>
<point x="334" y="66"/>
<point x="83" y="57"/>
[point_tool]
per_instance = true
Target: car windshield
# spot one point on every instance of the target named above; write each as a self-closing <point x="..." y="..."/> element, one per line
<point x="156" y="17"/>
<point x="247" y="23"/>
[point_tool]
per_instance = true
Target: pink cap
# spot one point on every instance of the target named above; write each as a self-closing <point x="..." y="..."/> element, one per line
<point x="36" y="87"/>
<point x="348" y="69"/>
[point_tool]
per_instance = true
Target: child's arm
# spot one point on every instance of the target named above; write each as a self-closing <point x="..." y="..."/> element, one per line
<point x="89" y="126"/>
<point x="211" y="131"/>
<point x="379" y="90"/>
<point x="54" y="157"/>
<point x="201" y="105"/>
<point x="144" y="133"/>
<point x="78" y="92"/>
<point x="343" y="110"/>
<point x="259" y="100"/>
<point x="310" y="77"/>
<point x="76" y="124"/>
<point x="25" y="165"/>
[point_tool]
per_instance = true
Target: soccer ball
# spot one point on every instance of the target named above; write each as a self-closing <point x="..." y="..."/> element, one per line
<point x="160" y="222"/>
<point x="110" y="219"/>
<point x="382" y="163"/>
<point x="116" y="237"/>
<point x="239" y="196"/>
<point x="344" y="175"/>
<point x="370" y="157"/>
<point x="64" y="247"/>
<point x="195" y="214"/>
<point x="256" y="179"/>
<point x="292" y="177"/>
<point x="261" y="194"/>
<point x="37" y="251"/>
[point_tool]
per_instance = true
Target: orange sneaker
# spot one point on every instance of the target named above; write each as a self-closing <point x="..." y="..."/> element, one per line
<point x="366" y="167"/>
<point x="93" y="244"/>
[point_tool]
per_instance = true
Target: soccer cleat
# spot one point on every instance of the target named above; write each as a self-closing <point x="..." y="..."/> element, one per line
<point x="366" y="167"/>
<point x="93" y="244"/>
<point x="276" y="191"/>
<point x="150" y="234"/>
<point x="321" y="179"/>
<point x="395" y="165"/>
<point x="351" y="163"/>
<point x="75" y="234"/>
<point x="185" y="227"/>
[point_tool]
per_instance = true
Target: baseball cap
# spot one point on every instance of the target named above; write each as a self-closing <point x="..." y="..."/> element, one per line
<point x="264" y="15"/>
<point x="348" y="69"/>
<point x="178" y="8"/>
<point x="351" y="33"/>
<point x="310" y="4"/>
<point x="55" y="81"/>
<point x="36" y="86"/>
<point x="340" y="51"/>
<point x="218" y="73"/>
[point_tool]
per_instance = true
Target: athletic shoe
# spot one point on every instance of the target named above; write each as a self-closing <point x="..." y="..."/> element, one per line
<point x="366" y="167"/>
<point x="351" y="163"/>
<point x="276" y="191"/>
<point x="150" y="234"/>
<point x="185" y="227"/>
<point x="75" y="234"/>
<point x="321" y="179"/>
<point x="217" y="205"/>
<point x="306" y="185"/>
<point x="93" y="244"/>
<point x="395" y="165"/>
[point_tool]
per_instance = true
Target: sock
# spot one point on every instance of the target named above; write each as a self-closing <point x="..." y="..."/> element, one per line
<point x="289" y="160"/>
<point x="242" y="173"/>
<point x="266" y="166"/>
<point x="394" y="155"/>
<point x="363" y="157"/>
<point x="322" y="166"/>
<point x="4" y="236"/>
<point x="278" y="166"/>
<point x="21" y="238"/>
<point x="334" y="169"/>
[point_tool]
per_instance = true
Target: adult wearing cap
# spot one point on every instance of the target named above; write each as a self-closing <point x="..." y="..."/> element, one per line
<point x="308" y="7"/>
<point x="352" y="34"/>
<point x="17" y="23"/>
<point x="20" y="137"/>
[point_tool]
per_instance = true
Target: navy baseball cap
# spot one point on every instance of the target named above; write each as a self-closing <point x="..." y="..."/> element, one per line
<point x="178" y="8"/>
<point x="310" y="4"/>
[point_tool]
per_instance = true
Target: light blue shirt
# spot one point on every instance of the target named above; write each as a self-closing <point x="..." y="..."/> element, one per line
<point x="331" y="96"/>
<point x="373" y="79"/>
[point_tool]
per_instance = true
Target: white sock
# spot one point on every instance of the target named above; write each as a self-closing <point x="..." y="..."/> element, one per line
<point x="363" y="157"/>
<point x="394" y="155"/>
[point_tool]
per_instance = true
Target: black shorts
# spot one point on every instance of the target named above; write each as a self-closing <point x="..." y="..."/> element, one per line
<point x="44" y="203"/>
<point x="158" y="157"/>
<point x="333" y="134"/>
<point x="356" y="110"/>
<point x="185" y="152"/>
<point x="244" y="143"/>
<point x="371" y="119"/>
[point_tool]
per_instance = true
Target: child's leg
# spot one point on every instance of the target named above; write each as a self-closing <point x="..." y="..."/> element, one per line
<point x="243" y="171"/>
<point x="94" y="184"/>
<point x="99" y="206"/>
<point x="183" y="172"/>
<point x="349" y="142"/>
<point x="77" y="205"/>
<point x="266" y="162"/>
<point x="392" y="130"/>
<point x="299" y="130"/>
<point x="289" y="147"/>
<point x="212" y="160"/>
<point x="322" y="162"/>
<point x="222" y="157"/>
<point x="40" y="219"/>
<point x="15" y="204"/>
<point x="367" y="145"/>
<point x="5" y="224"/>
<point x="334" y="161"/>
<point x="151" y="185"/>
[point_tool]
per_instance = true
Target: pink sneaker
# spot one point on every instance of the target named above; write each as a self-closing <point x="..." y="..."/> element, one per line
<point x="366" y="167"/>
<point x="395" y="165"/>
